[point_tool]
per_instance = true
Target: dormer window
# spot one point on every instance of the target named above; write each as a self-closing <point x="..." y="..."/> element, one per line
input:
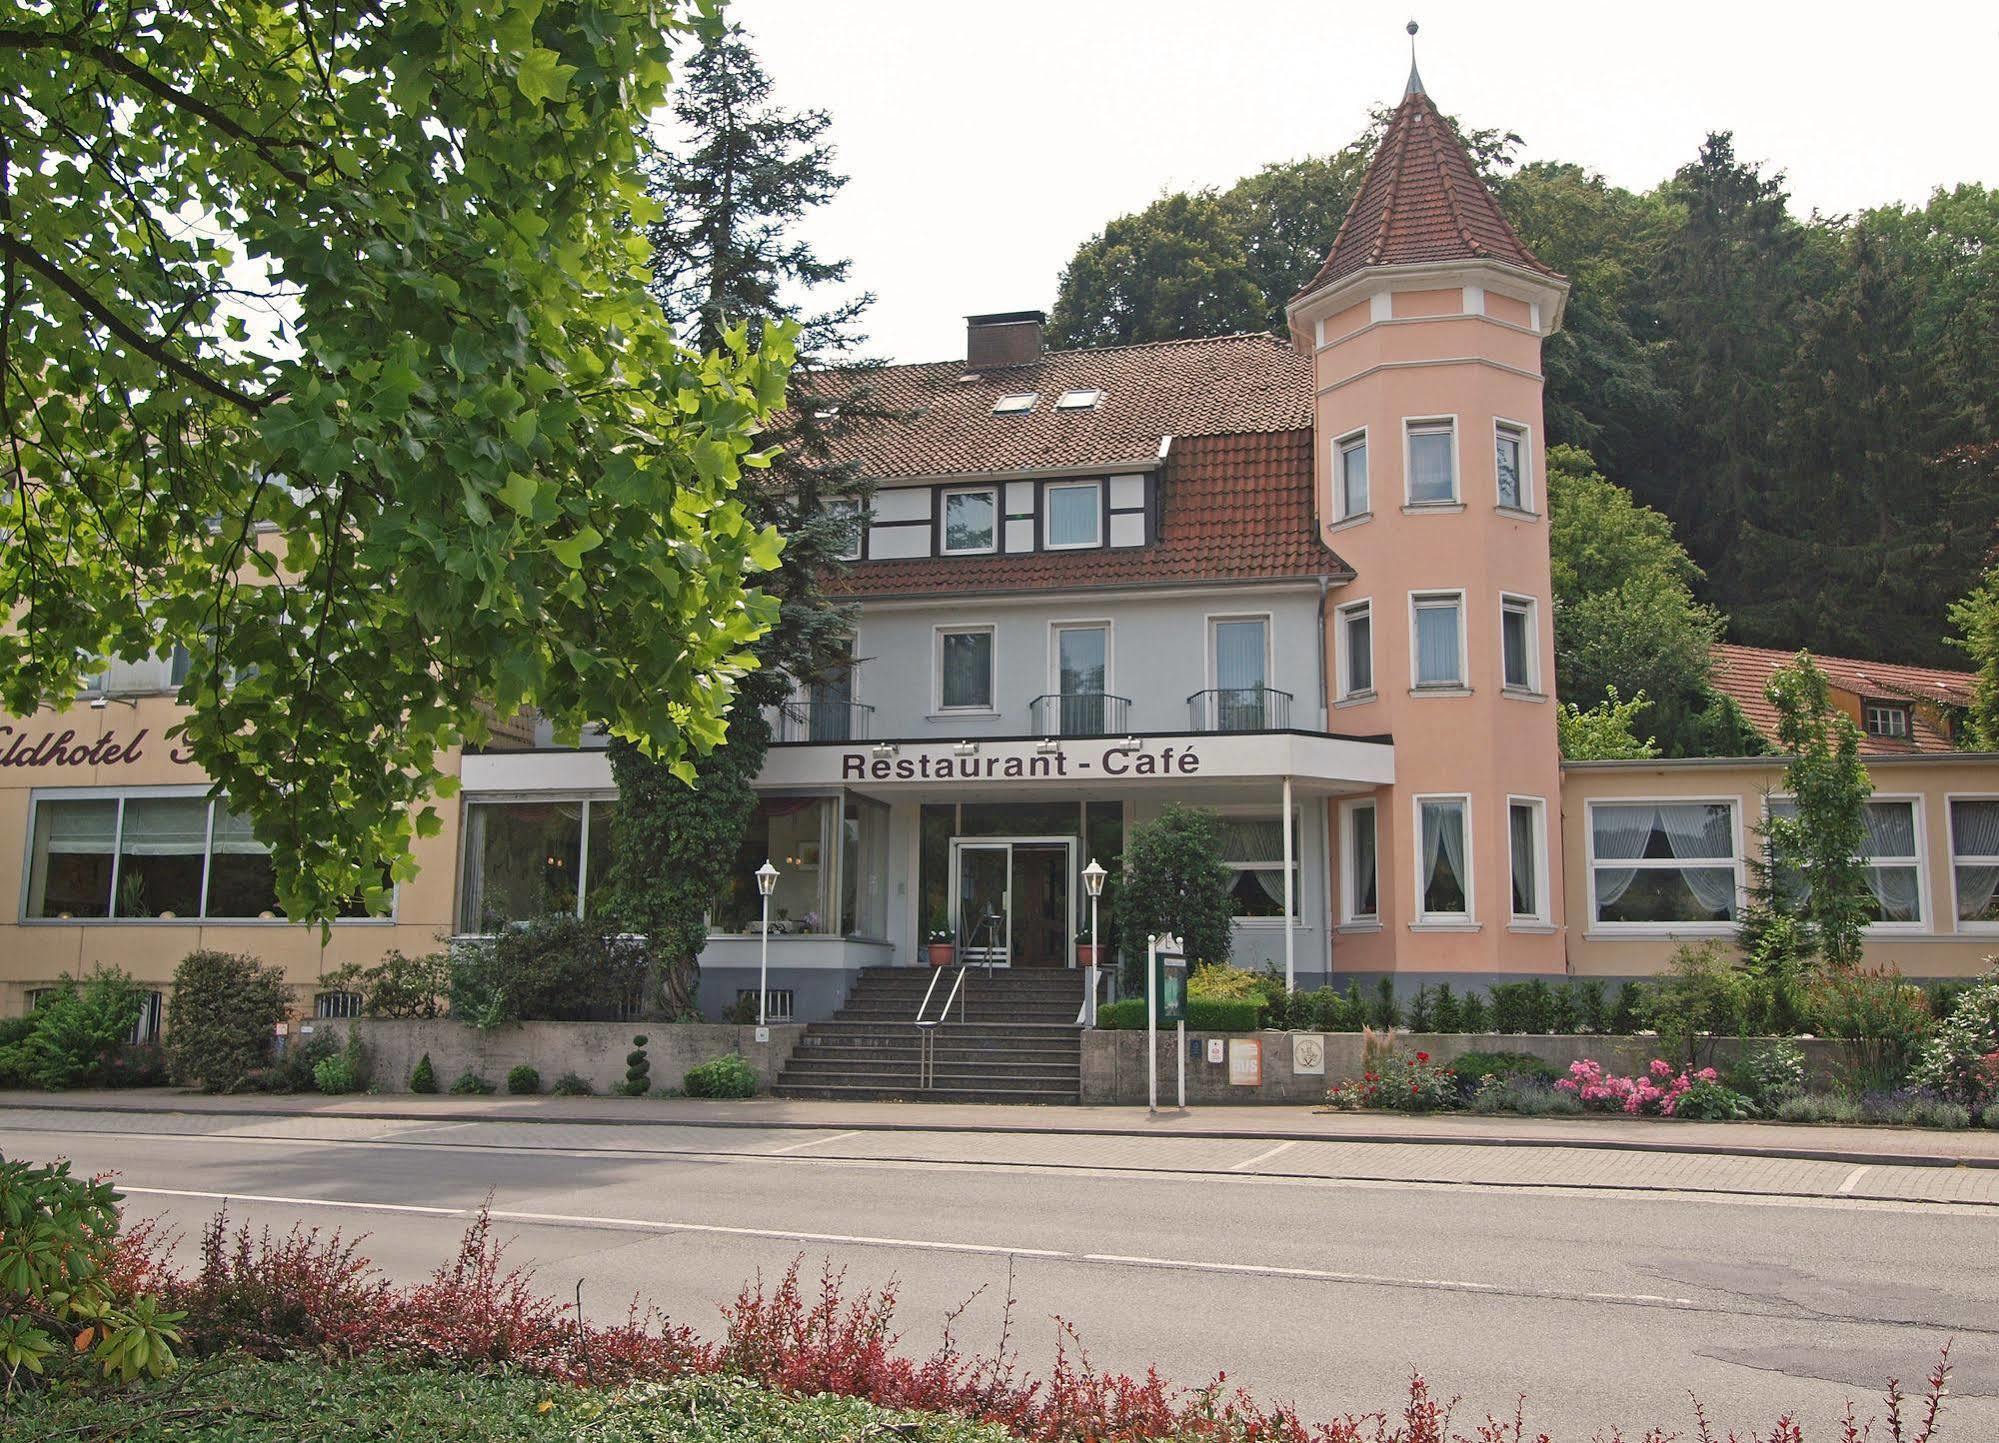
<point x="1015" y="403"/>
<point x="1078" y="400"/>
<point x="971" y="519"/>
<point x="1887" y="719"/>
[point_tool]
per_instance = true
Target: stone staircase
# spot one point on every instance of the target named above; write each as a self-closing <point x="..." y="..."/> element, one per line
<point x="1011" y="1037"/>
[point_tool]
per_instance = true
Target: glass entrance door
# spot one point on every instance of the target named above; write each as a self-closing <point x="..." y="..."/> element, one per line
<point x="983" y="900"/>
<point x="1013" y="900"/>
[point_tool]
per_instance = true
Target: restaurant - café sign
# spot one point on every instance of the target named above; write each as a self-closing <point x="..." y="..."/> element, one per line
<point x="1114" y="759"/>
<point x="64" y="749"/>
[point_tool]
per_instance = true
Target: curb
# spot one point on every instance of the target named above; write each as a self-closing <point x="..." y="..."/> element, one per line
<point x="1854" y="1156"/>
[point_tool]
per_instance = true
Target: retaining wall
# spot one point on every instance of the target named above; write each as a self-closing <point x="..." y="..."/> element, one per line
<point x="593" y="1050"/>
<point x="1114" y="1061"/>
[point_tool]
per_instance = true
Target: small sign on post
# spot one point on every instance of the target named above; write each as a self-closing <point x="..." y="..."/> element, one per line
<point x="1165" y="1001"/>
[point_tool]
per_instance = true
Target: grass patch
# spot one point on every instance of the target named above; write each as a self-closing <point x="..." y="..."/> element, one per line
<point x="247" y="1401"/>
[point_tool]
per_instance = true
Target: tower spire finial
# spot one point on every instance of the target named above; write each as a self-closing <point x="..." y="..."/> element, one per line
<point x="1415" y="86"/>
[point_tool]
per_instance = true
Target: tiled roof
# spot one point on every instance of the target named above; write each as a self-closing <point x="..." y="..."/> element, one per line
<point x="1421" y="201"/>
<point x="1743" y="672"/>
<point x="1233" y="508"/>
<point x="1213" y="386"/>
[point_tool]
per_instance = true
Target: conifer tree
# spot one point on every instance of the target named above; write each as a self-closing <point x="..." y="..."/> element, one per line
<point x="727" y="252"/>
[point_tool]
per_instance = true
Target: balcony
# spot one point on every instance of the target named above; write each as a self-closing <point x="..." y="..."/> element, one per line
<point x="822" y="721"/>
<point x="1239" y="709"/>
<point x="1078" y="714"/>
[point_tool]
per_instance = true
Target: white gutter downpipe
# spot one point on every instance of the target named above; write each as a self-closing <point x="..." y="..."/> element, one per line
<point x="1290" y="961"/>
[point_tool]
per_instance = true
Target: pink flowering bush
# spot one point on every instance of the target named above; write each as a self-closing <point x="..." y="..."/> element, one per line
<point x="1654" y="1093"/>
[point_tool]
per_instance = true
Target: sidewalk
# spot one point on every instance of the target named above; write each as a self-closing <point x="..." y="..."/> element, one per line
<point x="1908" y="1147"/>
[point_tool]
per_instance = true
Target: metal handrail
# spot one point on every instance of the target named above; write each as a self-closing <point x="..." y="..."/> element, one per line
<point x="823" y="721"/>
<point x="1239" y="709"/>
<point x="1078" y="713"/>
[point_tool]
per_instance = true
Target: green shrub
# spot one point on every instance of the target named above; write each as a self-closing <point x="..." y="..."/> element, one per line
<point x="1989" y="1117"/>
<point x="1173" y="881"/>
<point x="559" y="968"/>
<point x="638" y="1070"/>
<point x="1127" y="1014"/>
<point x="1506" y="1066"/>
<point x="333" y="1074"/>
<point x="78" y="1030"/>
<point x="1421" y="1016"/>
<point x="523" y="1080"/>
<point x="1592" y="1007"/>
<point x="1203" y="1015"/>
<point x="1769" y="1074"/>
<point x="221" y="1018"/>
<point x="1522" y="1007"/>
<point x="1880" y="1020"/>
<point x="1216" y="982"/>
<point x="1627" y="1013"/>
<point x="471" y="1084"/>
<point x="571" y="1084"/>
<point x="1447" y="1014"/>
<point x="61" y="1314"/>
<point x="726" y="1076"/>
<point x="397" y="986"/>
<point x="1524" y="1095"/>
<point x="423" y="1077"/>
<point x="1474" y="1012"/>
<point x="1382" y="1012"/>
<point x="1819" y="1107"/>
<point x="1953" y="1062"/>
<point x="1401" y="1082"/>
<point x="1713" y="1102"/>
<point x="1936" y="1112"/>
<point x="1703" y="996"/>
<point x="1564" y="1013"/>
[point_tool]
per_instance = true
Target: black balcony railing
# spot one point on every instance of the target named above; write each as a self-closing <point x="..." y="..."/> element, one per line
<point x="1078" y="714"/>
<point x="823" y="721"/>
<point x="1239" y="709"/>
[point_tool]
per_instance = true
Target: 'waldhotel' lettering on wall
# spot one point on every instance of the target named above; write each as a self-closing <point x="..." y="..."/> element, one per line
<point x="57" y="750"/>
<point x="1113" y="761"/>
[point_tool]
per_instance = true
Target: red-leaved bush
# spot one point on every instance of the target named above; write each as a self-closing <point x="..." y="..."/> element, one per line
<point x="315" y="1293"/>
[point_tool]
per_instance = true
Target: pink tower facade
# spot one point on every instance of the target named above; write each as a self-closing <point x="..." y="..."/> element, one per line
<point x="1425" y="327"/>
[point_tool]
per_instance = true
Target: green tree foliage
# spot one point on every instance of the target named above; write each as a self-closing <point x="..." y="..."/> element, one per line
<point x="1606" y="732"/>
<point x="344" y="303"/>
<point x="78" y="1030"/>
<point x="558" y="968"/>
<point x="221" y="1017"/>
<point x="1626" y="618"/>
<point x="1822" y="840"/>
<point x="1976" y="617"/>
<point x="1177" y="268"/>
<point x="726" y="252"/>
<point x="1174" y="881"/>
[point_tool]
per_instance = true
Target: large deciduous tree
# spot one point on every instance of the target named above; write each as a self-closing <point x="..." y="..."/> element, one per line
<point x="725" y="252"/>
<point x="1976" y="619"/>
<point x="326" y="351"/>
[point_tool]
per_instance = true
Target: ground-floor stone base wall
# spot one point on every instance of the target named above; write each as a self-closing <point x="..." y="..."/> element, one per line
<point x="593" y="1050"/>
<point x="1114" y="1061"/>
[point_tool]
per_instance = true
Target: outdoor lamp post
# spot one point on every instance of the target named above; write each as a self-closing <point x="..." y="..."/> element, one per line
<point x="1093" y="882"/>
<point x="766" y="880"/>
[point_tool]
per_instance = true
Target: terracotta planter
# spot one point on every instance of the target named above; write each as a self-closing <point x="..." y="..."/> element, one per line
<point x="1087" y="956"/>
<point x="941" y="953"/>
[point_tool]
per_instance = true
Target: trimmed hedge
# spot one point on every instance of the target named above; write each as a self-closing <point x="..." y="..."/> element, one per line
<point x="1203" y="1015"/>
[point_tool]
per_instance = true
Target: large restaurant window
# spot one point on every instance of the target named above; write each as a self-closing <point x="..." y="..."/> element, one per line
<point x="832" y="870"/>
<point x="864" y="868"/>
<point x="531" y="859"/>
<point x="1654" y="863"/>
<point x="147" y="856"/>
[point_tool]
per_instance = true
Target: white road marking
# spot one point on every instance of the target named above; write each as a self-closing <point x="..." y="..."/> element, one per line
<point x="1454" y="1285"/>
<point x="1855" y="1176"/>
<point x="809" y="1142"/>
<point x="1249" y="1162"/>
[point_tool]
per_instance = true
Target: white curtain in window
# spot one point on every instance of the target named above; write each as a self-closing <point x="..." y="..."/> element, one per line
<point x="1974" y="832"/>
<point x="233" y="835"/>
<point x="968" y="668"/>
<point x="1430" y="466"/>
<point x="1891" y="829"/>
<point x="1702" y="832"/>
<point x="1073" y="515"/>
<point x="1620" y="832"/>
<point x="1251" y="839"/>
<point x="1526" y="876"/>
<point x="85" y="827"/>
<point x="165" y="827"/>
<point x="1443" y="836"/>
<point x="1239" y="655"/>
<point x="1437" y="645"/>
<point x="1895" y="889"/>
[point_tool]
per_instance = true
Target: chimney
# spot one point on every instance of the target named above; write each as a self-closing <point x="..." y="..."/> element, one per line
<point x="1005" y="338"/>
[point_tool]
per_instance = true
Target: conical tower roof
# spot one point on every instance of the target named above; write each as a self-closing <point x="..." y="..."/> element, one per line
<point x="1421" y="202"/>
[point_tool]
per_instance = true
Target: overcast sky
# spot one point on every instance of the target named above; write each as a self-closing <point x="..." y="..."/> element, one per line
<point x="986" y="138"/>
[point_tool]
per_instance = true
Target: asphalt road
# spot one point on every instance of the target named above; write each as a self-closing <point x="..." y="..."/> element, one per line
<point x="1604" y="1296"/>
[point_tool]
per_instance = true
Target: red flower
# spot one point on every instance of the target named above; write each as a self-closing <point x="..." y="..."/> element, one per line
<point x="1422" y="1057"/>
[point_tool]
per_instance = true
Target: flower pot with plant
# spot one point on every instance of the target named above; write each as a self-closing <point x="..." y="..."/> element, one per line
<point x="939" y="943"/>
<point x="1087" y="952"/>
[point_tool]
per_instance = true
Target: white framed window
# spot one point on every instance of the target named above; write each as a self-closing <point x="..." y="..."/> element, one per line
<point x="1886" y="719"/>
<point x="1360" y="869"/>
<point x="1892" y="851"/>
<point x="159" y="854"/>
<point x="1353" y="641"/>
<point x="1073" y="515"/>
<point x="1519" y="648"/>
<point x="1673" y="864"/>
<point x="1252" y="847"/>
<point x="857" y="519"/>
<point x="1350" y="492"/>
<point x="1974" y="860"/>
<point x="1443" y="860"/>
<point x="1079" y="666"/>
<point x="971" y="520"/>
<point x="1015" y="403"/>
<point x="964" y="665"/>
<point x="1078" y="400"/>
<point x="1513" y="465"/>
<point x="1430" y="461"/>
<point x="1527" y="854"/>
<point x="1437" y="639"/>
<point x="1241" y="699"/>
<point x="336" y="1004"/>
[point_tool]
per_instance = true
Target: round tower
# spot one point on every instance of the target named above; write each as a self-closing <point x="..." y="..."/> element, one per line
<point x="1425" y="326"/>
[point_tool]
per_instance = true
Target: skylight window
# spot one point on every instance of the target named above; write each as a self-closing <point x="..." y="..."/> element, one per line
<point x="1078" y="400"/>
<point x="1014" y="404"/>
